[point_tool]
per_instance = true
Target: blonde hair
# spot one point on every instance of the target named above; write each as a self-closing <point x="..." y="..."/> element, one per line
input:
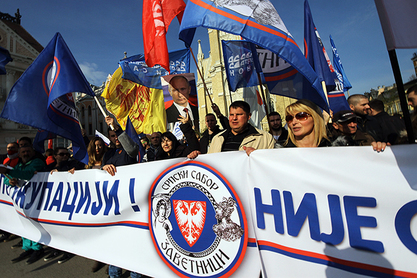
<point x="303" y="105"/>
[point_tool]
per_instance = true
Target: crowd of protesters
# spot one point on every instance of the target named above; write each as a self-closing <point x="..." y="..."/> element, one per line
<point x="365" y="124"/>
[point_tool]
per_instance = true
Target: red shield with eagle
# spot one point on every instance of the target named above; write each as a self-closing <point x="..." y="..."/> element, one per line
<point x="190" y="216"/>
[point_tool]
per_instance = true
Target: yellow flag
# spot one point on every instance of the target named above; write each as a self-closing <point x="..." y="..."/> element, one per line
<point x="144" y="106"/>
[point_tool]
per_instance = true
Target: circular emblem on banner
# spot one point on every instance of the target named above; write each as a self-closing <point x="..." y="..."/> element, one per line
<point x="197" y="221"/>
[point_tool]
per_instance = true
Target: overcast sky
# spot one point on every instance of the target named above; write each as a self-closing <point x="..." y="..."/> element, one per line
<point x="99" y="32"/>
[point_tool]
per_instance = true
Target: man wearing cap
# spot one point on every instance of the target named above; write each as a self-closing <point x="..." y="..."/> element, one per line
<point x="346" y="131"/>
<point x="179" y="88"/>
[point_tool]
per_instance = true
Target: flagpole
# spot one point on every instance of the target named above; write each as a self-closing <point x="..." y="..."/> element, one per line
<point x="401" y="94"/>
<point x="323" y="84"/>
<point x="201" y="75"/>
<point x="264" y="99"/>
<point x="102" y="110"/>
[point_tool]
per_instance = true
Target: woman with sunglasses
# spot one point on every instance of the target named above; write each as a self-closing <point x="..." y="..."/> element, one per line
<point x="306" y="125"/>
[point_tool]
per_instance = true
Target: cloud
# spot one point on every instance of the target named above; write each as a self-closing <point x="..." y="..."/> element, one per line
<point x="93" y="75"/>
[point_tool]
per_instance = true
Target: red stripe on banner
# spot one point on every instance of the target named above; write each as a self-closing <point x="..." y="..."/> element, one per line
<point x="337" y="260"/>
<point x="281" y="76"/>
<point x="336" y="95"/>
<point x="6" y="202"/>
<point x="252" y="240"/>
<point x="243" y="21"/>
<point x="134" y="223"/>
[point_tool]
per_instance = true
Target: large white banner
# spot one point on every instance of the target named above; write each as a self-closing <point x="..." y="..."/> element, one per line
<point x="290" y="212"/>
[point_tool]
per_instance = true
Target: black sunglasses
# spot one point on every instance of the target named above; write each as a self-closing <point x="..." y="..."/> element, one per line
<point x="62" y="154"/>
<point x="349" y="121"/>
<point x="300" y="116"/>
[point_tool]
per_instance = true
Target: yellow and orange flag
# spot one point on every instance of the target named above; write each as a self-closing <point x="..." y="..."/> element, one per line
<point x="144" y="106"/>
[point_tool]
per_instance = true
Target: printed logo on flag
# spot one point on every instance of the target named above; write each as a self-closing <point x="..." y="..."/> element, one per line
<point x="63" y="106"/>
<point x="197" y="221"/>
<point x="50" y="75"/>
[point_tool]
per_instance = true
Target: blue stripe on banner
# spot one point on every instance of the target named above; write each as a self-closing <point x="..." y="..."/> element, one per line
<point x="252" y="244"/>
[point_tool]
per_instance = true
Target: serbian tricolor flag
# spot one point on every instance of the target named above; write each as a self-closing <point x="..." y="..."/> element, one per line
<point x="156" y="18"/>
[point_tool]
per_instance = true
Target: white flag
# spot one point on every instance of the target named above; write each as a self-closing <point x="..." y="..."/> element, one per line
<point x="398" y="21"/>
<point x="251" y="95"/>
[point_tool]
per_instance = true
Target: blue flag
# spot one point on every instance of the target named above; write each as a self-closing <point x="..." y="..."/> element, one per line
<point x="42" y="96"/>
<point x="4" y="59"/>
<point x="337" y="101"/>
<point x="261" y="25"/>
<point x="135" y="69"/>
<point x="241" y="63"/>
<point x="314" y="50"/>
<point x="41" y="136"/>
<point x="341" y="75"/>
<point x="130" y="130"/>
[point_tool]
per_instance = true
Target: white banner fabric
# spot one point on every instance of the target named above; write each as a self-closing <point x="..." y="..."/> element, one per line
<point x="398" y="22"/>
<point x="310" y="212"/>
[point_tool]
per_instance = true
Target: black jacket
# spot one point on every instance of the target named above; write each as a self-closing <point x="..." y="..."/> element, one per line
<point x="371" y="126"/>
<point x="179" y="150"/>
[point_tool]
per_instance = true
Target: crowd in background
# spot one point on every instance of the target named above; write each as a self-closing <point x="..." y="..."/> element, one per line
<point x="365" y="124"/>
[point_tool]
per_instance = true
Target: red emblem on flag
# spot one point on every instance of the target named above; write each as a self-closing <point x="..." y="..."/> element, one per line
<point x="191" y="216"/>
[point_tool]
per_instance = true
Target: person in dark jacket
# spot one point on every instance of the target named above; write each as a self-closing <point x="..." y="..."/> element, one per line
<point x="345" y="130"/>
<point x="123" y="149"/>
<point x="359" y="104"/>
<point x="209" y="133"/>
<point x="172" y="148"/>
<point x="275" y="122"/>
<point x="393" y="128"/>
<point x="63" y="162"/>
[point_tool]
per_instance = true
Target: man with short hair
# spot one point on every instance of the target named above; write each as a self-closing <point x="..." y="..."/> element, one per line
<point x="392" y="127"/>
<point x="212" y="130"/>
<point x="12" y="154"/>
<point x="28" y="166"/>
<point x="179" y="88"/>
<point x="359" y="104"/>
<point x="241" y="135"/>
<point x="24" y="142"/>
<point x="412" y="101"/>
<point x="279" y="133"/>
<point x="154" y="149"/>
<point x="63" y="162"/>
